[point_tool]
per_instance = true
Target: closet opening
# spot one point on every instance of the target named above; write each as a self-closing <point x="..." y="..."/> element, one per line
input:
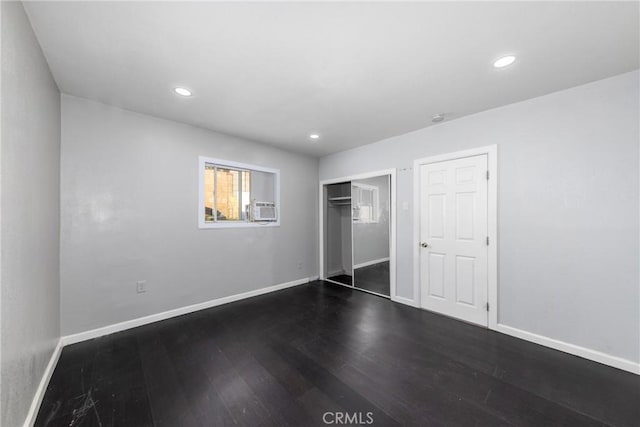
<point x="339" y="239"/>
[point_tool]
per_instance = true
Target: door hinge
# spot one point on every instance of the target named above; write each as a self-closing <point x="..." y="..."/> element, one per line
<point x="487" y="306"/>
<point x="487" y="240"/>
<point x="487" y="174"/>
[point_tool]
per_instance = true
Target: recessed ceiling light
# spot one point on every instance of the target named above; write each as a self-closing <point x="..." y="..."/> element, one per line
<point x="314" y="136"/>
<point x="437" y="117"/>
<point x="504" y="61"/>
<point x="182" y="91"/>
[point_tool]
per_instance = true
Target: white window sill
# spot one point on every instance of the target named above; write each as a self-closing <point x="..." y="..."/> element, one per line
<point x="237" y="224"/>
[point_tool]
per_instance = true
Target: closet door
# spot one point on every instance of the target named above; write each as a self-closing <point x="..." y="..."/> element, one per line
<point x="370" y="199"/>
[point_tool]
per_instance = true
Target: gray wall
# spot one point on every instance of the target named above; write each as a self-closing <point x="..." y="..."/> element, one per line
<point x="346" y="240"/>
<point x="29" y="280"/>
<point x="371" y="240"/>
<point x="338" y="240"/>
<point x="567" y="214"/>
<point x="130" y="212"/>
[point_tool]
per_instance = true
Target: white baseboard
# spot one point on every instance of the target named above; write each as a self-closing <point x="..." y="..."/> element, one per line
<point x="405" y="301"/>
<point x="42" y="387"/>
<point x="586" y="353"/>
<point x="372" y="262"/>
<point x="134" y="323"/>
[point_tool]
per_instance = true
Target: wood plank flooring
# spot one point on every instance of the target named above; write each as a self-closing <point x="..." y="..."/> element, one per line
<point x="290" y="357"/>
<point x="374" y="278"/>
<point x="342" y="278"/>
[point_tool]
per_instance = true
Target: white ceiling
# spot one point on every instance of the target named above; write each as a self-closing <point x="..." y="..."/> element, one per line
<point x="353" y="72"/>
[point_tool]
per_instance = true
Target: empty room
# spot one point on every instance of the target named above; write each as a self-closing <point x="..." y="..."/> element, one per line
<point x="319" y="213"/>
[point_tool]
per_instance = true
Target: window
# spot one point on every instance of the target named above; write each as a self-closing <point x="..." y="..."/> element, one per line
<point x="365" y="200"/>
<point x="227" y="193"/>
<point x="237" y="195"/>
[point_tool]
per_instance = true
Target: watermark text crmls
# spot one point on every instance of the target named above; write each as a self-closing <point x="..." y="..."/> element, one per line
<point x="348" y="418"/>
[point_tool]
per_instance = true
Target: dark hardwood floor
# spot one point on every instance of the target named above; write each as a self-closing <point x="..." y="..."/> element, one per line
<point x="374" y="278"/>
<point x="288" y="357"/>
<point x="342" y="278"/>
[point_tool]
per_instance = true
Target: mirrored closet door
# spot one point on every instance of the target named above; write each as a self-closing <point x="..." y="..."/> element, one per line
<point x="370" y="201"/>
<point x="357" y="229"/>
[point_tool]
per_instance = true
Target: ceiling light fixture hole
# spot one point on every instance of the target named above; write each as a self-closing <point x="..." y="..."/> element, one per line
<point x="182" y="91"/>
<point x="504" y="61"/>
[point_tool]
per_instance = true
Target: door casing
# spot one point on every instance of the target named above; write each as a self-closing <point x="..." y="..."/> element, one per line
<point x="492" y="223"/>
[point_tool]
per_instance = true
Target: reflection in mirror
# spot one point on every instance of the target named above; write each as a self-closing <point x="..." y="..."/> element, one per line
<point x="371" y="229"/>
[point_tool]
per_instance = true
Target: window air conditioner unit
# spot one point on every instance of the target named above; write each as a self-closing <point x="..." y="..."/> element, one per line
<point x="263" y="211"/>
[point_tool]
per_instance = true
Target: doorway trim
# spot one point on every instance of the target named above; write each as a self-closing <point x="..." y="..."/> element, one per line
<point x="392" y="231"/>
<point x="492" y="223"/>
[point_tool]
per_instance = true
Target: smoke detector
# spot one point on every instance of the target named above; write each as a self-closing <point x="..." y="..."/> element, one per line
<point x="437" y="118"/>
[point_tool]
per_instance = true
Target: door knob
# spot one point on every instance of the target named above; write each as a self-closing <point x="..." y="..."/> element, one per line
<point x="424" y="245"/>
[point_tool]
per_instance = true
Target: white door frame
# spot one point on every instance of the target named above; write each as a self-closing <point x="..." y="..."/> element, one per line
<point x="392" y="231"/>
<point x="492" y="218"/>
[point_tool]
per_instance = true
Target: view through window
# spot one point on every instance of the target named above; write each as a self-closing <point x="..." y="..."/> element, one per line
<point x="237" y="194"/>
<point x="227" y="193"/>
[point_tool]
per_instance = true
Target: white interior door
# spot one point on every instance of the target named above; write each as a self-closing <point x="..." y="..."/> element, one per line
<point x="454" y="239"/>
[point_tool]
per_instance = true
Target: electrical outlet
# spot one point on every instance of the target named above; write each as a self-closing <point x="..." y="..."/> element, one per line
<point x="141" y="286"/>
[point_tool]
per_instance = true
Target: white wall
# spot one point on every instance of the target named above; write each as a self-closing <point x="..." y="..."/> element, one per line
<point x="30" y="203"/>
<point x="568" y="208"/>
<point x="130" y="212"/>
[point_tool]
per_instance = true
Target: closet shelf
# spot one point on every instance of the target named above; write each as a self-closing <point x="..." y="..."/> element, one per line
<point x="340" y="201"/>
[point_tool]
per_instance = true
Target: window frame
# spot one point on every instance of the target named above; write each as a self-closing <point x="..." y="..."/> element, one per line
<point x="375" y="202"/>
<point x="203" y="224"/>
